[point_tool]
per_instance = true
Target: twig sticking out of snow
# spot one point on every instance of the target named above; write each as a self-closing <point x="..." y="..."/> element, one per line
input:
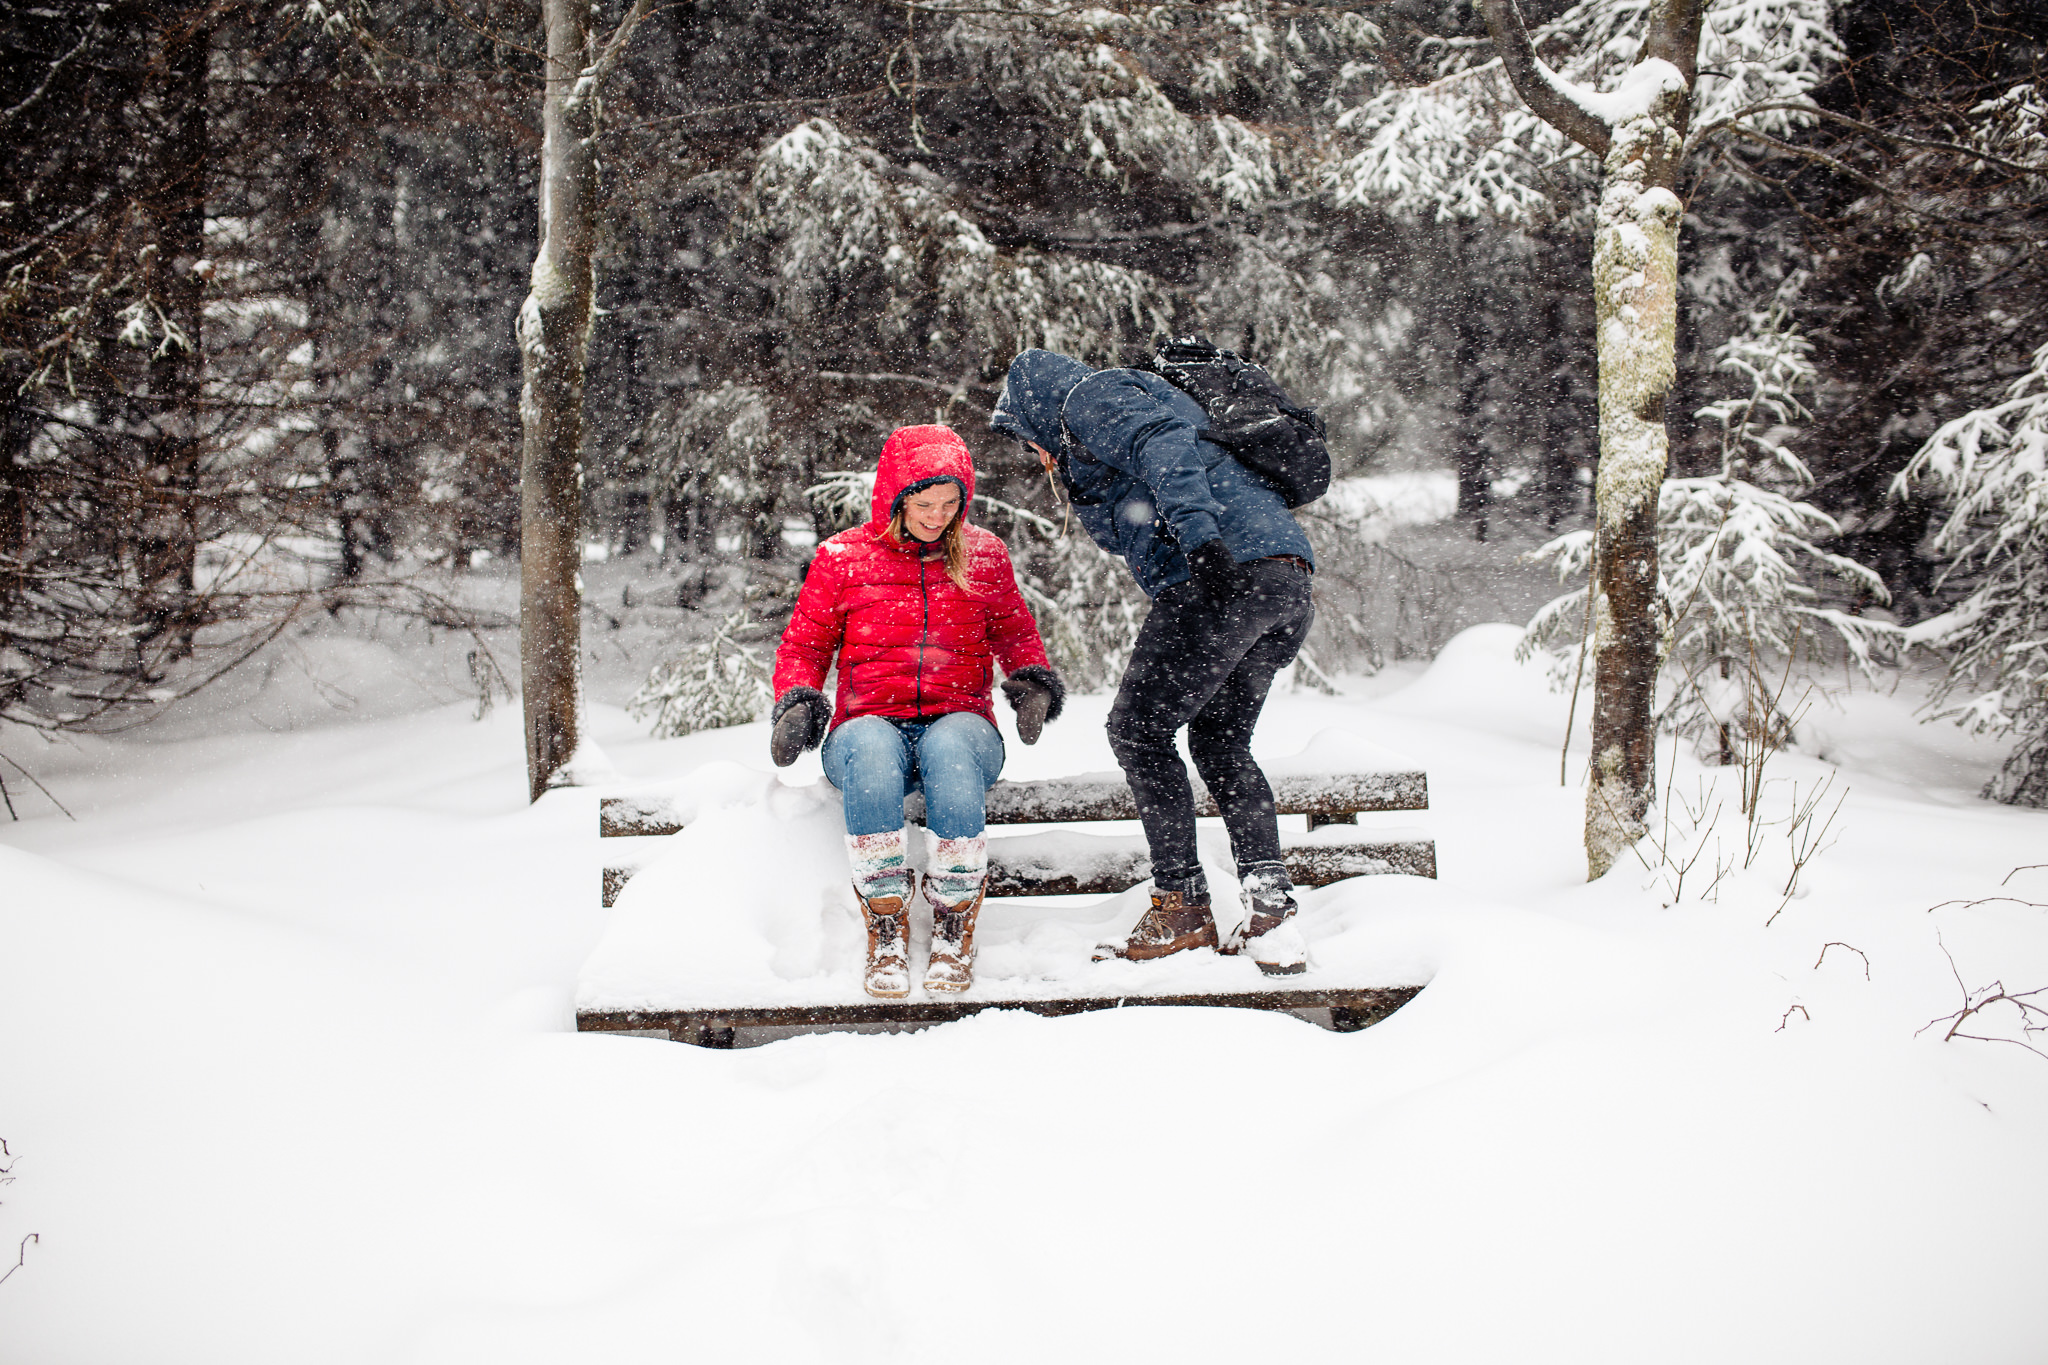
<point x="1667" y="841"/>
<point x="1851" y="947"/>
<point x="20" y="1255"/>
<point x="1991" y="900"/>
<point x="7" y="1178"/>
<point x="11" y="811"/>
<point x="1808" y="840"/>
<point x="2033" y="1016"/>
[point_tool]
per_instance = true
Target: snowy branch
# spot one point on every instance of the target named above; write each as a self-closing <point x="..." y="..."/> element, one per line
<point x="1556" y="101"/>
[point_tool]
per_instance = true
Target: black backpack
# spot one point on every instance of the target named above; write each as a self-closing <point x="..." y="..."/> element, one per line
<point x="1251" y="416"/>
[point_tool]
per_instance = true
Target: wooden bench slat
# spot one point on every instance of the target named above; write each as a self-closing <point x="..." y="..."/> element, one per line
<point x="1074" y="864"/>
<point x="626" y="816"/>
<point x="1324" y="797"/>
<point x="1351" y="1007"/>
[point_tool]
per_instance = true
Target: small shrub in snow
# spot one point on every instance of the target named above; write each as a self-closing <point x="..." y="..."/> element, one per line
<point x="1739" y="556"/>
<point x="1993" y="466"/>
<point x="724" y="681"/>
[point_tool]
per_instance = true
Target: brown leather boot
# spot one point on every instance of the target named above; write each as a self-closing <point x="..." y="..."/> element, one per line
<point x="1175" y="923"/>
<point x="888" y="972"/>
<point x="952" y="961"/>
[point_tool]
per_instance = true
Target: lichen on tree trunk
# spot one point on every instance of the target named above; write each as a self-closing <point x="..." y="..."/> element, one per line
<point x="1638" y="131"/>
<point x="1635" y="294"/>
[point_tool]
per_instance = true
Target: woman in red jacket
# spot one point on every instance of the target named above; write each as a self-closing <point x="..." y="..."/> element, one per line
<point x="920" y="606"/>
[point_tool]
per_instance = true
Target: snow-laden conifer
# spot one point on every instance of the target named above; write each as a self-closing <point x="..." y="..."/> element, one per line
<point x="1741" y="563"/>
<point x="838" y="214"/>
<point x="724" y="681"/>
<point x="1463" y="146"/>
<point x="1992" y="464"/>
<point x="1627" y="81"/>
<point x="2013" y="127"/>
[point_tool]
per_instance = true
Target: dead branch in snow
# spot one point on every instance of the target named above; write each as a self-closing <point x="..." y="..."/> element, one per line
<point x="1851" y="947"/>
<point x="7" y="1178"/>
<point x="2033" y="1015"/>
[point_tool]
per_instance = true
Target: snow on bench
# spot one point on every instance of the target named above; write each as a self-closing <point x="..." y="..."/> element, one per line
<point x="742" y="918"/>
<point x="1330" y="783"/>
<point x="1325" y="797"/>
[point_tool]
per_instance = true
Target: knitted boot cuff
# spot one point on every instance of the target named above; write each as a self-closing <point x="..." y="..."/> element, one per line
<point x="879" y="865"/>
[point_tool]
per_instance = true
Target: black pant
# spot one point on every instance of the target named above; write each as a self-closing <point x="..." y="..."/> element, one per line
<point x="1207" y="666"/>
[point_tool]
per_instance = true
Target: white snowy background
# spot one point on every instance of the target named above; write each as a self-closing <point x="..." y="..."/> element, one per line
<point x="288" y="1072"/>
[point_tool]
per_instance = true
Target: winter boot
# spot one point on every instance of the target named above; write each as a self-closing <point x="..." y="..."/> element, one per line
<point x="888" y="972"/>
<point x="1177" y="921"/>
<point x="954" y="881"/>
<point x="881" y="882"/>
<point x="952" y="961"/>
<point x="1269" y="935"/>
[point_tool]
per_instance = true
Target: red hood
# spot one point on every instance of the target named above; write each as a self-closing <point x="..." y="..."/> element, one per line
<point x="914" y="454"/>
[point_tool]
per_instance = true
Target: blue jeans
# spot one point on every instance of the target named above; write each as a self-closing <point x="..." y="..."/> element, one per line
<point x="874" y="760"/>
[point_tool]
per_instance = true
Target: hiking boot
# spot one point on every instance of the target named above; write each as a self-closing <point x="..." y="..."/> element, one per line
<point x="1269" y="935"/>
<point x="952" y="960"/>
<point x="888" y="971"/>
<point x="1280" y="951"/>
<point x="1176" y="922"/>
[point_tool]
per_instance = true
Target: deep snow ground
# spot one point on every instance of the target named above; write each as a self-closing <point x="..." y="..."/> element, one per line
<point x="286" y="1070"/>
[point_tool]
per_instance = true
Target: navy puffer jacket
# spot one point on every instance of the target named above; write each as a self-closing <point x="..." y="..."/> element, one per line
<point x="1145" y="486"/>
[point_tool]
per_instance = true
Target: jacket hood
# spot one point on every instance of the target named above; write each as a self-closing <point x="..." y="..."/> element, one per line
<point x="1033" y="394"/>
<point x="920" y="455"/>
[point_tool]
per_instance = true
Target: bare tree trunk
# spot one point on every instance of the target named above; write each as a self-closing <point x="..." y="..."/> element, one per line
<point x="554" y="339"/>
<point x="1475" y="480"/>
<point x="1635" y="297"/>
<point x="171" y="530"/>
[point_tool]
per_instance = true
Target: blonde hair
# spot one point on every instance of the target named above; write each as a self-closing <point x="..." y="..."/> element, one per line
<point x="953" y="540"/>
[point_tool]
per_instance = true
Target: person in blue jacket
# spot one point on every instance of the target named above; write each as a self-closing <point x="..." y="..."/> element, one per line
<point x="1228" y="571"/>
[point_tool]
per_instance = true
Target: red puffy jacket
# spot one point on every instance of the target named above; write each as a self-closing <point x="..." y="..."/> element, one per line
<point x="910" y="642"/>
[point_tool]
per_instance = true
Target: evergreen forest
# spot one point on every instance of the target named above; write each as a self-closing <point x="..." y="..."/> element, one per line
<point x="263" y="265"/>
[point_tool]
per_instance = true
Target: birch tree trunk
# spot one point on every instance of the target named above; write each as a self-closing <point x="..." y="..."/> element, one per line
<point x="1638" y="131"/>
<point x="554" y="342"/>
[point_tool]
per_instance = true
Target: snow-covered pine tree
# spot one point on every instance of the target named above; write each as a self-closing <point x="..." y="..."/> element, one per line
<point x="1160" y="198"/>
<point x="724" y="449"/>
<point x="1739" y="557"/>
<point x="724" y="681"/>
<point x="1992" y="464"/>
<point x="1637" y="126"/>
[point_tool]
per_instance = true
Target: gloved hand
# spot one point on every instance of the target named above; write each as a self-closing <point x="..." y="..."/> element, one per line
<point x="801" y="716"/>
<point x="1215" y="571"/>
<point x="1037" y="695"/>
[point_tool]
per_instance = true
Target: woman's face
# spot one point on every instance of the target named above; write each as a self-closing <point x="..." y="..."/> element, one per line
<point x="927" y="514"/>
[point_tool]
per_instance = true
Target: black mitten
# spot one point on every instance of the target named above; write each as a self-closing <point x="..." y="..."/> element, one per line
<point x="1037" y="695"/>
<point x="801" y="716"/>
